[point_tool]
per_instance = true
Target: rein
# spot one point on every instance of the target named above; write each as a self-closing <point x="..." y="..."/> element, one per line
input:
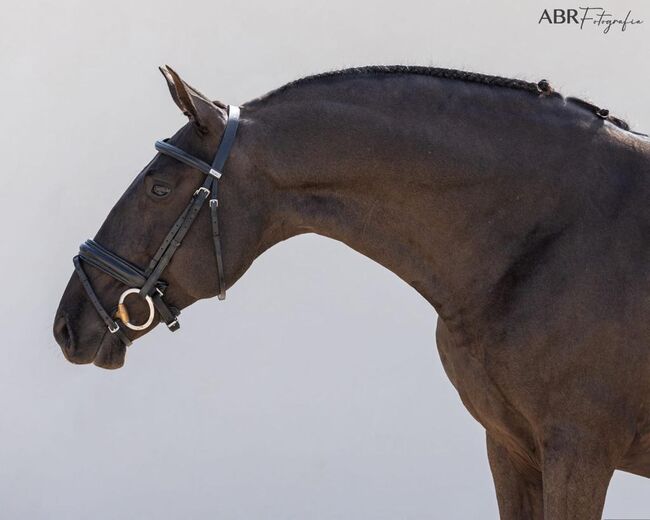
<point x="146" y="283"/>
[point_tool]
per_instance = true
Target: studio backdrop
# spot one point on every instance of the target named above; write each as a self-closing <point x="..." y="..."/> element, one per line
<point x="315" y="391"/>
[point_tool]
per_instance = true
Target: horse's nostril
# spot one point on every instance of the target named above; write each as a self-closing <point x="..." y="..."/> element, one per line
<point x="62" y="334"/>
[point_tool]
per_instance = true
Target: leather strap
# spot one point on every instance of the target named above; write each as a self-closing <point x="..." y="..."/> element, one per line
<point x="198" y="199"/>
<point x="184" y="157"/>
<point x="219" y="162"/>
<point x="227" y="139"/>
<point x="168" y="239"/>
<point x="216" y="240"/>
<point x="111" y="264"/>
<point x="114" y="327"/>
<point x="169" y="315"/>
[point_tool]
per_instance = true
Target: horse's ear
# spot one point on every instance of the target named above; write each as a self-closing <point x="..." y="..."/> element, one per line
<point x="192" y="103"/>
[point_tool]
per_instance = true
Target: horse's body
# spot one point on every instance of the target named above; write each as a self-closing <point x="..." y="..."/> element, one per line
<point x="522" y="218"/>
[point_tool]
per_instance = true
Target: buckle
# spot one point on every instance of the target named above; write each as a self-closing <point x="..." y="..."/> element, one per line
<point x="115" y="328"/>
<point x="202" y="188"/>
<point x="214" y="203"/>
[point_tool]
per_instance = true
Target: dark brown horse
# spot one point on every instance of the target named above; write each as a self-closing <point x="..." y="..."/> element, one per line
<point x="521" y="216"/>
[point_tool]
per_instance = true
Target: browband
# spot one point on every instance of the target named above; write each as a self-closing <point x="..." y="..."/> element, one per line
<point x="184" y="157"/>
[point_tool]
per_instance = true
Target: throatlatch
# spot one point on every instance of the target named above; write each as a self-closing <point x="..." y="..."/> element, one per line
<point x="146" y="283"/>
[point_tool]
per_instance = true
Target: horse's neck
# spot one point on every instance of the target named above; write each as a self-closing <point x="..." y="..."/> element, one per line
<point x="450" y="216"/>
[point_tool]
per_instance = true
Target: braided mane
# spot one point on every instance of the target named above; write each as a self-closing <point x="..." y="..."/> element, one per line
<point x="437" y="72"/>
<point x="540" y="88"/>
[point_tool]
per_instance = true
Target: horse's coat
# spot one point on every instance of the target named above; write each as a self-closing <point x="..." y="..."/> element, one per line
<point x="520" y="216"/>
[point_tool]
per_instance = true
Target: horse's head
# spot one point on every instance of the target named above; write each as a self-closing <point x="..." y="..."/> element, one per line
<point x="165" y="196"/>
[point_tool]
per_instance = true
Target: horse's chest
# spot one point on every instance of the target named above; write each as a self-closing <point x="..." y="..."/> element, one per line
<point x="487" y="394"/>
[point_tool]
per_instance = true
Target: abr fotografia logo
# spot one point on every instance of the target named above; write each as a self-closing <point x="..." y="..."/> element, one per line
<point x="594" y="17"/>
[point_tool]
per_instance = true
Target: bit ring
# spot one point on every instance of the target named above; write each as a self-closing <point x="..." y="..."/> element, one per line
<point x="123" y="314"/>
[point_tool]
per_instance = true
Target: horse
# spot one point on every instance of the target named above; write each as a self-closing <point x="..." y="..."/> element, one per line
<point x="520" y="215"/>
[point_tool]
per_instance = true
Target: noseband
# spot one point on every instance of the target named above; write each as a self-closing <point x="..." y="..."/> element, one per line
<point x="146" y="283"/>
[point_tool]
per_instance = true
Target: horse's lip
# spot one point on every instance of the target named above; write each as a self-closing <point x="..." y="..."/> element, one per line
<point x="111" y="352"/>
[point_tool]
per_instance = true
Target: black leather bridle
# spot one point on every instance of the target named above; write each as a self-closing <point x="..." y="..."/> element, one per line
<point x="146" y="283"/>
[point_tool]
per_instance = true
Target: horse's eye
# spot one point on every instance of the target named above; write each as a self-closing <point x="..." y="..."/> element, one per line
<point x="160" y="191"/>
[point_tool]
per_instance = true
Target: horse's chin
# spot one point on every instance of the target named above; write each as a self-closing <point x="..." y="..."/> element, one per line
<point x="111" y="353"/>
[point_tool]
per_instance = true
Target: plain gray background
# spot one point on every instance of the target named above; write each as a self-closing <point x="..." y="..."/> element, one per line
<point x="322" y="396"/>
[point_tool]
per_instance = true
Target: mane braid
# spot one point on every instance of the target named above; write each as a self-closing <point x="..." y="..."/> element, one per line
<point x="437" y="72"/>
<point x="540" y="88"/>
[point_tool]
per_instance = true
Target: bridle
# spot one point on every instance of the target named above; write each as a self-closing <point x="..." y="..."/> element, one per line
<point x="146" y="283"/>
